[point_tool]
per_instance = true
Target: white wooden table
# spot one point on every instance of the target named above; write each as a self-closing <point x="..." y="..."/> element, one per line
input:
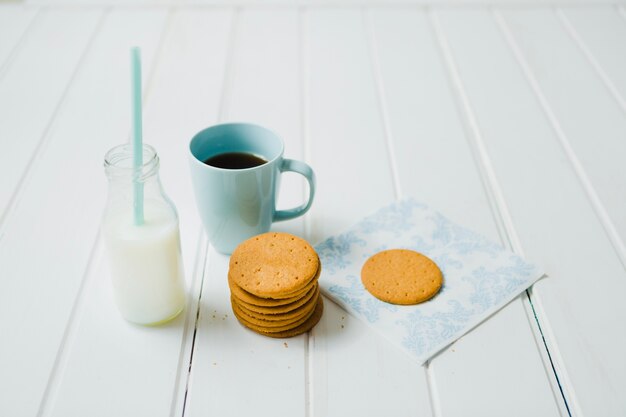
<point x="510" y="119"/>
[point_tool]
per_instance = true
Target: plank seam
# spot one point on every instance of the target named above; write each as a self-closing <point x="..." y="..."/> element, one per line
<point x="200" y="254"/>
<point x="42" y="143"/>
<point x="573" y="33"/>
<point x="433" y="392"/>
<point x="500" y="210"/>
<point x="158" y="56"/>
<point x="544" y="341"/>
<point x="198" y="269"/>
<point x="594" y="199"/>
<point x="610" y="228"/>
<point x="493" y="191"/>
<point x="304" y="98"/>
<point x="556" y="359"/>
<point x="226" y="81"/>
<point x="308" y="369"/>
<point x="382" y="102"/>
<point x="229" y="66"/>
<point x="203" y="246"/>
<point x="54" y="378"/>
<point x="433" y="395"/>
<point x="479" y="154"/>
<point x="26" y="33"/>
<point x="303" y="75"/>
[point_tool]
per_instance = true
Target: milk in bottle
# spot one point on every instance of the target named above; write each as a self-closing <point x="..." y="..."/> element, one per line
<point x="145" y="259"/>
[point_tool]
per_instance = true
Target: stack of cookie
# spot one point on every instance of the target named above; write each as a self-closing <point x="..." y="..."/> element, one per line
<point x="273" y="283"/>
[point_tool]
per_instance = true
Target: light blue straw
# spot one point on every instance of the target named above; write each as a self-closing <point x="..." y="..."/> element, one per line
<point x="135" y="63"/>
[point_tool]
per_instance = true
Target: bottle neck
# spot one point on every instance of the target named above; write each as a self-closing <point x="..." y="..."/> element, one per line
<point x="119" y="166"/>
<point x="128" y="184"/>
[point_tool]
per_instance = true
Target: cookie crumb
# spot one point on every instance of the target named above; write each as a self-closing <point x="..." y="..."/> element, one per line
<point x="285" y="345"/>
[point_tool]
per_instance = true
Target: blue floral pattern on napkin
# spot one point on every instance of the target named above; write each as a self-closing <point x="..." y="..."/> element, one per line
<point x="480" y="276"/>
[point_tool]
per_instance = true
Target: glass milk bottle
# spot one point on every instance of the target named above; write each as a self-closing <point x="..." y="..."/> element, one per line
<point x="145" y="259"/>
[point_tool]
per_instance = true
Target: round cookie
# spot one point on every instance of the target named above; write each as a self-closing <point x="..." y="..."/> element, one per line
<point x="302" y="328"/>
<point x="273" y="326"/>
<point x="275" y="320"/>
<point x="273" y="265"/>
<point x="245" y="296"/>
<point x="401" y="276"/>
<point x="281" y="312"/>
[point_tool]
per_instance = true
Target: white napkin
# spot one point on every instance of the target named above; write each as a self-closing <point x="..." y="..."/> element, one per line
<point x="480" y="276"/>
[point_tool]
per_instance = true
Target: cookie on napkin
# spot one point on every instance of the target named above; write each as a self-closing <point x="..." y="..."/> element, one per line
<point x="401" y="276"/>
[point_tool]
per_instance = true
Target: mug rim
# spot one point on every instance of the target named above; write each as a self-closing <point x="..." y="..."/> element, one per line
<point x="231" y="125"/>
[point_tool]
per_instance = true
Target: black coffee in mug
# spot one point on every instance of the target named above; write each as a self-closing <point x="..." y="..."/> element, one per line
<point x="235" y="160"/>
<point x="239" y="202"/>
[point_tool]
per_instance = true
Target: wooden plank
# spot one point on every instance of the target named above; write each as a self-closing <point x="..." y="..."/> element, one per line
<point x="269" y="375"/>
<point x="549" y="208"/>
<point x="580" y="107"/>
<point x="32" y="87"/>
<point x="14" y="22"/>
<point x="435" y="164"/>
<point x="353" y="371"/>
<point x="47" y="251"/>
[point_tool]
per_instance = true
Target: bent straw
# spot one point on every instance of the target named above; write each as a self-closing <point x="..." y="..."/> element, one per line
<point x="135" y="63"/>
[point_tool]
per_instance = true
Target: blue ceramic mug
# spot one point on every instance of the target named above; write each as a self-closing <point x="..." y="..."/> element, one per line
<point x="236" y="199"/>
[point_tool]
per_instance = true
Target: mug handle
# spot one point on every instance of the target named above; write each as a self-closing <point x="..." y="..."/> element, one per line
<point x="302" y="169"/>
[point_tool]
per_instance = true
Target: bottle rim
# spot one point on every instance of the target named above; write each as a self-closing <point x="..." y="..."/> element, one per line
<point x="118" y="163"/>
